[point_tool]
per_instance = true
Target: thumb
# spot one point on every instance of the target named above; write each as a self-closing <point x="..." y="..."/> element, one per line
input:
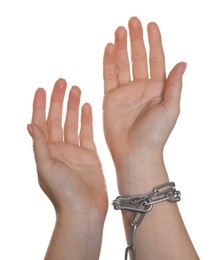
<point x="172" y="93"/>
<point x="41" y="150"/>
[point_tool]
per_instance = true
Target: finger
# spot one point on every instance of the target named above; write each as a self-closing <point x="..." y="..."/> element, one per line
<point x="157" y="58"/>
<point x="71" y="123"/>
<point x="86" y="132"/>
<point x="138" y="51"/>
<point x="123" y="67"/>
<point x="41" y="150"/>
<point x="39" y="106"/>
<point x="54" y="124"/>
<point x="109" y="68"/>
<point x="172" y="93"/>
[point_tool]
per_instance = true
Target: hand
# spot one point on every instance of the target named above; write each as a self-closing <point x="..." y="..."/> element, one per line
<point x="68" y="166"/>
<point x="139" y="114"/>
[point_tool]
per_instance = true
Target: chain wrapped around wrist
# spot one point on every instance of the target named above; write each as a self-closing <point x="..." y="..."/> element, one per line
<point x="142" y="204"/>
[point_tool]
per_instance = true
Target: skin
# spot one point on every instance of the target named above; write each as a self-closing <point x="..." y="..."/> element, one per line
<point x="141" y="107"/>
<point x="70" y="174"/>
<point x="140" y="111"/>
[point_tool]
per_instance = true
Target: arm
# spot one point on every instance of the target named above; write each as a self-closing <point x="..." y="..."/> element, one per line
<point x="139" y="115"/>
<point x="70" y="173"/>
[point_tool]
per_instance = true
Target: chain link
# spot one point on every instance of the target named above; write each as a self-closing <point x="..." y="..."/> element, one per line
<point x="141" y="205"/>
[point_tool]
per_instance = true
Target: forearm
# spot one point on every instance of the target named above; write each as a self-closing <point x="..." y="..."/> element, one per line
<point x="162" y="233"/>
<point x="76" y="239"/>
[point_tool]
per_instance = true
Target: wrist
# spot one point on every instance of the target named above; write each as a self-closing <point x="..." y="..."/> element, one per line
<point x="86" y="217"/>
<point x="76" y="236"/>
<point x="137" y="173"/>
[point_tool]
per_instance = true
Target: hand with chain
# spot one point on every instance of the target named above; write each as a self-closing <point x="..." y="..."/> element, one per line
<point x="140" y="111"/>
<point x="70" y="173"/>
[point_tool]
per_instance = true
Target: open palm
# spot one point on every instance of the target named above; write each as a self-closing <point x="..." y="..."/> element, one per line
<point x="68" y="166"/>
<point x="139" y="112"/>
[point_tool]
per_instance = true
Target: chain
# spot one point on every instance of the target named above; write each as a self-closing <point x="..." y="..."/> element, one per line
<point x="141" y="205"/>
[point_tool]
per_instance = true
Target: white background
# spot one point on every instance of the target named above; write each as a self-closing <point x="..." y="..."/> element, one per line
<point x="41" y="41"/>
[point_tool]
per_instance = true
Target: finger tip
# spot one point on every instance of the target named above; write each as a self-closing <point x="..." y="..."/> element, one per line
<point x="61" y="80"/>
<point x="109" y="49"/>
<point x="76" y="90"/>
<point x="120" y="31"/>
<point x="151" y="26"/>
<point x="40" y="91"/>
<point x="86" y="106"/>
<point x="109" y="45"/>
<point x="181" y="67"/>
<point x="109" y="54"/>
<point x="39" y="98"/>
<point x="61" y="83"/>
<point x="30" y="130"/>
<point x="184" y="66"/>
<point x="134" y="20"/>
<point x="152" y="23"/>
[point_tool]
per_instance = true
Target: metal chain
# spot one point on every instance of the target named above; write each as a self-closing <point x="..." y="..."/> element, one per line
<point x="141" y="205"/>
